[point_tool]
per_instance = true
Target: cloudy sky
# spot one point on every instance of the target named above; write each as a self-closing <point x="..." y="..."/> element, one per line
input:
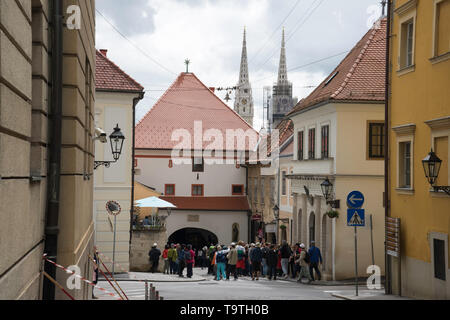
<point x="150" y="39"/>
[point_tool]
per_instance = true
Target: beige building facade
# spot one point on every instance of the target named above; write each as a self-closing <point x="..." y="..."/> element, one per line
<point x="29" y="173"/>
<point x="114" y="105"/>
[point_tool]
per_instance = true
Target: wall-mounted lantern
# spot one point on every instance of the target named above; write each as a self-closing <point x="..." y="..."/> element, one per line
<point x="432" y="166"/>
<point x="327" y="191"/>
<point x="116" y="139"/>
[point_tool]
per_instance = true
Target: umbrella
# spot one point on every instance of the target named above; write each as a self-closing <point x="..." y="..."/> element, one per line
<point x="153" y="202"/>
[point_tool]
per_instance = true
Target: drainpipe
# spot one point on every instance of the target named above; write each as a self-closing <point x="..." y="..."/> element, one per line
<point x="54" y="170"/>
<point x="133" y="154"/>
<point x="388" y="266"/>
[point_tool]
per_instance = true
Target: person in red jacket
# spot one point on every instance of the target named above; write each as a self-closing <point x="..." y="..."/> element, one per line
<point x="166" y="259"/>
<point x="189" y="256"/>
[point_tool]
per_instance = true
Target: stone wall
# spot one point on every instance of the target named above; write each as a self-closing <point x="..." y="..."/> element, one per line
<point x="141" y="243"/>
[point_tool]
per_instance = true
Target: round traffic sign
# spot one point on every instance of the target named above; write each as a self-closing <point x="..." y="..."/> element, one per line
<point x="355" y="200"/>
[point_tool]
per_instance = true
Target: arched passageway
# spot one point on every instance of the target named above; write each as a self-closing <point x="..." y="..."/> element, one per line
<point x="198" y="238"/>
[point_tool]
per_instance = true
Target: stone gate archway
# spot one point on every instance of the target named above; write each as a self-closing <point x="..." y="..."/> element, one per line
<point x="198" y="238"/>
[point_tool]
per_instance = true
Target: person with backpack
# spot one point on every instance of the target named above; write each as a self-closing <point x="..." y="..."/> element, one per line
<point x="256" y="258"/>
<point x="181" y="261"/>
<point x="189" y="257"/>
<point x="172" y="254"/>
<point x="316" y="259"/>
<point x="221" y="261"/>
<point x="304" y="261"/>
<point x="265" y="251"/>
<point x="272" y="260"/>
<point x="232" y="261"/>
<point x="240" y="265"/>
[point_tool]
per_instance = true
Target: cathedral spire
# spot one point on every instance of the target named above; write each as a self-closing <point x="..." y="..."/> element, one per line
<point x="243" y="76"/>
<point x="282" y="71"/>
<point x="243" y="104"/>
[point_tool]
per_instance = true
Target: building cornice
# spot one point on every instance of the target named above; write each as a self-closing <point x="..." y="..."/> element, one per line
<point x="440" y="123"/>
<point x="406" y="129"/>
<point x="412" y="4"/>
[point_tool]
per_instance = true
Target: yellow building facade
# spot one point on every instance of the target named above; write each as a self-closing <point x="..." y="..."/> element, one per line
<point x="419" y="113"/>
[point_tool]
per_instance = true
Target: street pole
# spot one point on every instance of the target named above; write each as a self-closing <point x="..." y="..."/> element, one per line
<point x="371" y="239"/>
<point x="356" y="259"/>
<point x="114" y="245"/>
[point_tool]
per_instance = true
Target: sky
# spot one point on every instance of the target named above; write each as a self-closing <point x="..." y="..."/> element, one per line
<point x="151" y="39"/>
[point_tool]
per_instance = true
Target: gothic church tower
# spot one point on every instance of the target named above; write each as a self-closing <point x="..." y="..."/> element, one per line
<point x="243" y="104"/>
<point x="282" y="101"/>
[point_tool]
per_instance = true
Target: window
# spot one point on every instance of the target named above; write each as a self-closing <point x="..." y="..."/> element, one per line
<point x="441" y="28"/>
<point x="284" y="184"/>
<point x="237" y="190"/>
<point x="407" y="44"/>
<point x="198" y="190"/>
<point x="325" y="142"/>
<point x="300" y="144"/>
<point x="169" y="190"/>
<point x="312" y="144"/>
<point x="439" y="259"/>
<point x="405" y="165"/>
<point x="198" y="165"/>
<point x="376" y="140"/>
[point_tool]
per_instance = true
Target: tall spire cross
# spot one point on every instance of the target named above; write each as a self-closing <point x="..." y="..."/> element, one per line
<point x="383" y="5"/>
<point x="187" y="62"/>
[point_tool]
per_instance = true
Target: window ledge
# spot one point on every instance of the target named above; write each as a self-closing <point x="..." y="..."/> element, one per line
<point x="441" y="58"/>
<point x="408" y="191"/>
<point x="319" y="159"/>
<point x="406" y="70"/>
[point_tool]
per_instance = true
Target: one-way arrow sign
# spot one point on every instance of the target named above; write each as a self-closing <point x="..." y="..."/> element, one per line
<point x="355" y="200"/>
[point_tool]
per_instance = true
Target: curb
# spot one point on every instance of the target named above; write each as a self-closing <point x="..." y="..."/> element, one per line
<point x="154" y="281"/>
<point x="340" y="296"/>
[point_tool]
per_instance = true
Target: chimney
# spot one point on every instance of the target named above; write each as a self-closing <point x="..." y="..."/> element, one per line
<point x="212" y="89"/>
<point x="104" y="52"/>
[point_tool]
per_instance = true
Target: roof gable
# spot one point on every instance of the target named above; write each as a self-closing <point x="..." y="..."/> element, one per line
<point x="109" y="77"/>
<point x="359" y="77"/>
<point x="186" y="101"/>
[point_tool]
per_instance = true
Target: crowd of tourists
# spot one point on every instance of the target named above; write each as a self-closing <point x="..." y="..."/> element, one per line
<point x="240" y="259"/>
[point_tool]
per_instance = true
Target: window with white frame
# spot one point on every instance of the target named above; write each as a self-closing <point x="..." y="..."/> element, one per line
<point x="441" y="37"/>
<point x="406" y="32"/>
<point x="405" y="165"/>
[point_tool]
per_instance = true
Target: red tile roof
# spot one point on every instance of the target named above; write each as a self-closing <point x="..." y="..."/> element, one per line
<point x="186" y="101"/>
<point x="209" y="203"/>
<point x="359" y="77"/>
<point x="109" y="77"/>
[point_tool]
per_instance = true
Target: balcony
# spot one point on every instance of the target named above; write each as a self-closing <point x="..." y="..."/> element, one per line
<point x="152" y="223"/>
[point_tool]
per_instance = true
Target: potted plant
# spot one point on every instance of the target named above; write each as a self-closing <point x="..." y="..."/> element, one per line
<point x="283" y="226"/>
<point x="333" y="214"/>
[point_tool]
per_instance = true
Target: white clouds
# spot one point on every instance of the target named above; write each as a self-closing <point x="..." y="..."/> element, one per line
<point x="209" y="33"/>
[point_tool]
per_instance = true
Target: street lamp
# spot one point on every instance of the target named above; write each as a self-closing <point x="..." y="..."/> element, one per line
<point x="327" y="190"/>
<point x="116" y="138"/>
<point x="432" y="166"/>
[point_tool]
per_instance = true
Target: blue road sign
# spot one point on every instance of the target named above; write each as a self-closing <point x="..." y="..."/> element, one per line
<point x="355" y="200"/>
<point x="356" y="217"/>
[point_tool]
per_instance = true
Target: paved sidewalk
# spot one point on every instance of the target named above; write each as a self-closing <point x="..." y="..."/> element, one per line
<point x="369" y="295"/>
<point x="154" y="277"/>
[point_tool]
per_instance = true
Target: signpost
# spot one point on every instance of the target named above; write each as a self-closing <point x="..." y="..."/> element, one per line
<point x="113" y="208"/>
<point x="356" y="217"/>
